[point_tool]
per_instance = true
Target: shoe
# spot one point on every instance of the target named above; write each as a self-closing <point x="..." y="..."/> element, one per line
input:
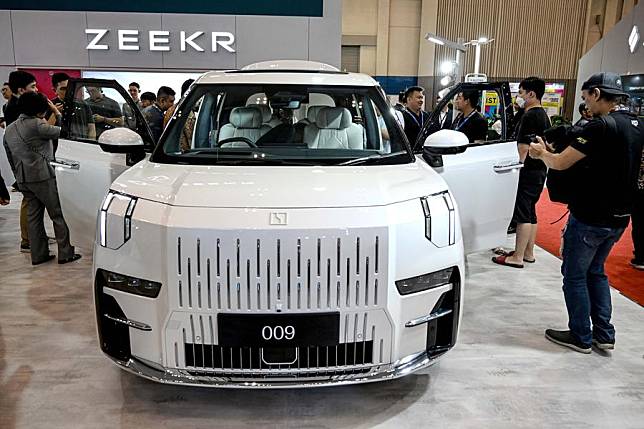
<point x="566" y="339"/>
<point x="76" y="257"/>
<point x="638" y="264"/>
<point x="47" y="259"/>
<point x="25" y="248"/>
<point x="604" y="345"/>
<point x="501" y="260"/>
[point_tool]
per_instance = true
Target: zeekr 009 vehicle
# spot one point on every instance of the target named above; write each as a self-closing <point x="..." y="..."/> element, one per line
<point x="283" y="232"/>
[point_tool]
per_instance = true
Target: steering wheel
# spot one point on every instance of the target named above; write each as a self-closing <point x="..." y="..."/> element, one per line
<point x="246" y="140"/>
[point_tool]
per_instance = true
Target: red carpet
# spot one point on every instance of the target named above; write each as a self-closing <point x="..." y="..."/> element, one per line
<point x="623" y="277"/>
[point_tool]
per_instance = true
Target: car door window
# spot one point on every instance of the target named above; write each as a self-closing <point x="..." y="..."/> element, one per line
<point x="494" y="105"/>
<point x="93" y="106"/>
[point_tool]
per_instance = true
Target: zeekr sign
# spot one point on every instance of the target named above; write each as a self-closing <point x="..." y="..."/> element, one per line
<point x="160" y="40"/>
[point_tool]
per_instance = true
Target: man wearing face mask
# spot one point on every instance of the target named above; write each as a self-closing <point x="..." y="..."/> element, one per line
<point x="532" y="176"/>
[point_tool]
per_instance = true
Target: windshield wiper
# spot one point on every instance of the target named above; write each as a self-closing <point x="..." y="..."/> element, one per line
<point x="375" y="158"/>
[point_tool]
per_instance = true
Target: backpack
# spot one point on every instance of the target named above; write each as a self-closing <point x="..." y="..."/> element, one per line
<point x="563" y="185"/>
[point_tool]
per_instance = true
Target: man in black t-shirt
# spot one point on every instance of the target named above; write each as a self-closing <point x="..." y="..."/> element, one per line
<point x="469" y="121"/>
<point x="531" y="177"/>
<point x="610" y="147"/>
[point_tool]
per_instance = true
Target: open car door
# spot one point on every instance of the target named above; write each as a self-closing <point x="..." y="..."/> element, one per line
<point x="483" y="179"/>
<point x="85" y="165"/>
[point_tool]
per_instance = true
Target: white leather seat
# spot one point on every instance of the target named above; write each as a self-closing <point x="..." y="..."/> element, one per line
<point x="311" y="114"/>
<point x="244" y="122"/>
<point x="334" y="129"/>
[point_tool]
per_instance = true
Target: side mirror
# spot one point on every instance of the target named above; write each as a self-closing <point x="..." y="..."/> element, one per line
<point x="446" y="142"/>
<point x="120" y="140"/>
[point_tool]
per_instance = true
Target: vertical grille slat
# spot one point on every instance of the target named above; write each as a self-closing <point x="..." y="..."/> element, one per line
<point x="198" y="257"/>
<point x="189" y="285"/>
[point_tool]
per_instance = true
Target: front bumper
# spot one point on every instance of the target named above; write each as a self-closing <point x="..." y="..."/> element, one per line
<point x="398" y="369"/>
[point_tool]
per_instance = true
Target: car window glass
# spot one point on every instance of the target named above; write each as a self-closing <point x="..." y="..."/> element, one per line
<point x="287" y="122"/>
<point x="97" y="108"/>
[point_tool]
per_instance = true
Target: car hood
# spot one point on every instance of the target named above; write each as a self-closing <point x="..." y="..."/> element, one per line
<point x="278" y="187"/>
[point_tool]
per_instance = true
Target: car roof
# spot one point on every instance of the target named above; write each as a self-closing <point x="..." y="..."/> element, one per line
<point x="288" y="72"/>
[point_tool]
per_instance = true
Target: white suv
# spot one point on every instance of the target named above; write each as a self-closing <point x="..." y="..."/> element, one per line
<point x="282" y="233"/>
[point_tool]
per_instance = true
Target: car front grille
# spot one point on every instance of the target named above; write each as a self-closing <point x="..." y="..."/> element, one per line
<point x="266" y="271"/>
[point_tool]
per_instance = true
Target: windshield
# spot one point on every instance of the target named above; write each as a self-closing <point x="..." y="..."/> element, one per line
<point x="283" y="124"/>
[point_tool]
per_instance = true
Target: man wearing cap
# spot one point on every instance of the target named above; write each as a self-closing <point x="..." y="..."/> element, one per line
<point x="610" y="146"/>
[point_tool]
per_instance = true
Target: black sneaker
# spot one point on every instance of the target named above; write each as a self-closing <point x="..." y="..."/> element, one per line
<point x="604" y="345"/>
<point x="76" y="257"/>
<point x="638" y="264"/>
<point x="566" y="339"/>
<point x="47" y="259"/>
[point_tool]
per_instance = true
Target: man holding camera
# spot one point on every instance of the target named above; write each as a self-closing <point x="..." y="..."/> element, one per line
<point x="610" y="146"/>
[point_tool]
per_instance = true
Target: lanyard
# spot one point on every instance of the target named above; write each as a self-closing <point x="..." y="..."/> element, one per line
<point x="464" y="120"/>
<point x="422" y="119"/>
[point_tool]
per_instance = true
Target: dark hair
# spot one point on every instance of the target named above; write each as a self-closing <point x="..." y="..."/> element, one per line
<point x="148" y="96"/>
<point x="57" y="78"/>
<point x="33" y="103"/>
<point x="186" y="85"/>
<point x="20" y="79"/>
<point x="135" y="84"/>
<point x="472" y="96"/>
<point x="534" y="84"/>
<point x="401" y="97"/>
<point x="582" y="108"/>
<point x="409" y="91"/>
<point x="165" y="91"/>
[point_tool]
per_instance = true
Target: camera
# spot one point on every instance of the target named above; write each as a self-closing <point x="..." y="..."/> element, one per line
<point x="561" y="136"/>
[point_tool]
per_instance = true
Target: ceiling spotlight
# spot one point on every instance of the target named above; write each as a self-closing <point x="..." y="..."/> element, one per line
<point x="435" y="40"/>
<point x="447" y="67"/>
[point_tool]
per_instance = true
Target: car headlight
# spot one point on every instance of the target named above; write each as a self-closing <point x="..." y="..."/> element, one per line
<point x="129" y="284"/>
<point x="440" y="219"/>
<point x="115" y="219"/>
<point x="425" y="281"/>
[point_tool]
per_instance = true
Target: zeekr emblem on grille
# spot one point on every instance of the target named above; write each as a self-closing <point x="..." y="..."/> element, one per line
<point x="278" y="218"/>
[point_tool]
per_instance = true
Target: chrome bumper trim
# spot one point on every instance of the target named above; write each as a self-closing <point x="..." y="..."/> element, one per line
<point x="428" y="318"/>
<point x="400" y="368"/>
<point x="131" y="323"/>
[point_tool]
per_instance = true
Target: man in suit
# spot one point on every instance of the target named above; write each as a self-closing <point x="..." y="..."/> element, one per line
<point x="29" y="149"/>
<point x="415" y="117"/>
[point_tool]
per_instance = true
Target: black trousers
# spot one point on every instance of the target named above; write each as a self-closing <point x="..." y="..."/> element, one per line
<point x="41" y="196"/>
<point x="637" y="218"/>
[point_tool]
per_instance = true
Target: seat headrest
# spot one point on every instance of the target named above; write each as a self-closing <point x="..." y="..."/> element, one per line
<point x="312" y="113"/>
<point x="266" y="111"/>
<point x="334" y="118"/>
<point x="246" y="117"/>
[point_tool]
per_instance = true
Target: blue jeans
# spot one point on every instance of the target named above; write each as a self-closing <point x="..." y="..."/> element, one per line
<point x="585" y="285"/>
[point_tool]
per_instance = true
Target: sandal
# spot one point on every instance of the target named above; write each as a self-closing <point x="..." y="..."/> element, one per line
<point x="501" y="252"/>
<point x="501" y="260"/>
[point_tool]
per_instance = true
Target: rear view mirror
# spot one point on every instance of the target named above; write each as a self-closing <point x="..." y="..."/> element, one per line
<point x="120" y="140"/>
<point x="446" y="142"/>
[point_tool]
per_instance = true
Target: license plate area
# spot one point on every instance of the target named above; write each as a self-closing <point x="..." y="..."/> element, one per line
<point x="278" y="330"/>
